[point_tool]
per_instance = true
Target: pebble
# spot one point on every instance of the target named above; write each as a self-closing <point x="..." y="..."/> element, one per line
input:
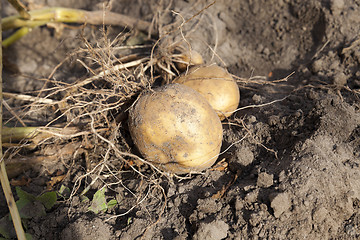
<point x="252" y="196"/>
<point x="340" y="79"/>
<point x="317" y="66"/>
<point x="257" y="99"/>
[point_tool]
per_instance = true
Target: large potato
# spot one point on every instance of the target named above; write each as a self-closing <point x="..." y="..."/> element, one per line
<point x="216" y="85"/>
<point x="176" y="129"/>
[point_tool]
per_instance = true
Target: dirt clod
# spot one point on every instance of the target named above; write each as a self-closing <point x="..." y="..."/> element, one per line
<point x="280" y="203"/>
<point x="215" y="230"/>
<point x="82" y="229"/>
<point x="265" y="180"/>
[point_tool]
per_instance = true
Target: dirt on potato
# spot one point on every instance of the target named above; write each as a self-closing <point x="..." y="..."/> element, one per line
<point x="290" y="163"/>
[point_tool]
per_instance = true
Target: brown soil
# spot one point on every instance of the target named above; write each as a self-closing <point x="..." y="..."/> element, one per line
<point x="293" y="165"/>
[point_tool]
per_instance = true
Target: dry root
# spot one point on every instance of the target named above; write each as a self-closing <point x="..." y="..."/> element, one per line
<point x="88" y="120"/>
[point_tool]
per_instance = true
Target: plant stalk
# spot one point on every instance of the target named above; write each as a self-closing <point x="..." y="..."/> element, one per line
<point x="20" y="8"/>
<point x="15" y="36"/>
<point x="16" y="134"/>
<point x="15" y="216"/>
<point x="69" y="15"/>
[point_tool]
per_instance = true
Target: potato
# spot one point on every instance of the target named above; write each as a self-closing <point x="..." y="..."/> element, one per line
<point x="176" y="129"/>
<point x="216" y="85"/>
<point x="189" y="59"/>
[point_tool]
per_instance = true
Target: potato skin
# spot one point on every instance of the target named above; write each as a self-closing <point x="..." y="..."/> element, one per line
<point x="216" y="85"/>
<point x="189" y="59"/>
<point x="176" y="129"/>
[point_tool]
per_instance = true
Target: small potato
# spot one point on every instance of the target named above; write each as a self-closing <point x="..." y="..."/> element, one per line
<point x="176" y="129"/>
<point x="216" y="85"/>
<point x="190" y="58"/>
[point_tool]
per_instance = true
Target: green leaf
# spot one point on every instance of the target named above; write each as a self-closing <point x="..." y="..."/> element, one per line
<point x="24" y="195"/>
<point x="28" y="236"/>
<point x="30" y="206"/>
<point x="48" y="199"/>
<point x="25" y="199"/>
<point x="129" y="221"/>
<point x="5" y="224"/>
<point x="112" y="203"/>
<point x="84" y="199"/>
<point x="34" y="209"/>
<point x="98" y="203"/>
<point x="22" y="204"/>
<point x="64" y="192"/>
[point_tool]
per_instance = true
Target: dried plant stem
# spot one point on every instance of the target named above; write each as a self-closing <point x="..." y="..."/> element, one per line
<point x="109" y="71"/>
<point x="20" y="8"/>
<point x="13" y="113"/>
<point x="69" y="15"/>
<point x="15" y="216"/>
<point x="28" y="98"/>
<point x="260" y="105"/>
<point x="66" y="15"/>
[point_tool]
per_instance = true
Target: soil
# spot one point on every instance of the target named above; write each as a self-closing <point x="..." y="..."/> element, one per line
<point x="292" y="150"/>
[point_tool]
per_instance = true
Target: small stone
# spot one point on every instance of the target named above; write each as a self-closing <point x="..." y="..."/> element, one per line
<point x="337" y="6"/>
<point x="181" y="237"/>
<point x="255" y="231"/>
<point x="259" y="48"/>
<point x="317" y="66"/>
<point x="248" y="187"/>
<point x="215" y="230"/>
<point x="280" y="203"/>
<point x="266" y="52"/>
<point x="265" y="180"/>
<point x="257" y="98"/>
<point x="239" y="204"/>
<point x="282" y="176"/>
<point x="263" y="207"/>
<point x="254" y="220"/>
<point x="252" y="196"/>
<point x="28" y="66"/>
<point x="340" y="79"/>
<point x="273" y="120"/>
<point x="171" y="191"/>
<point x="245" y="156"/>
<point x="252" y="119"/>
<point x="181" y="189"/>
